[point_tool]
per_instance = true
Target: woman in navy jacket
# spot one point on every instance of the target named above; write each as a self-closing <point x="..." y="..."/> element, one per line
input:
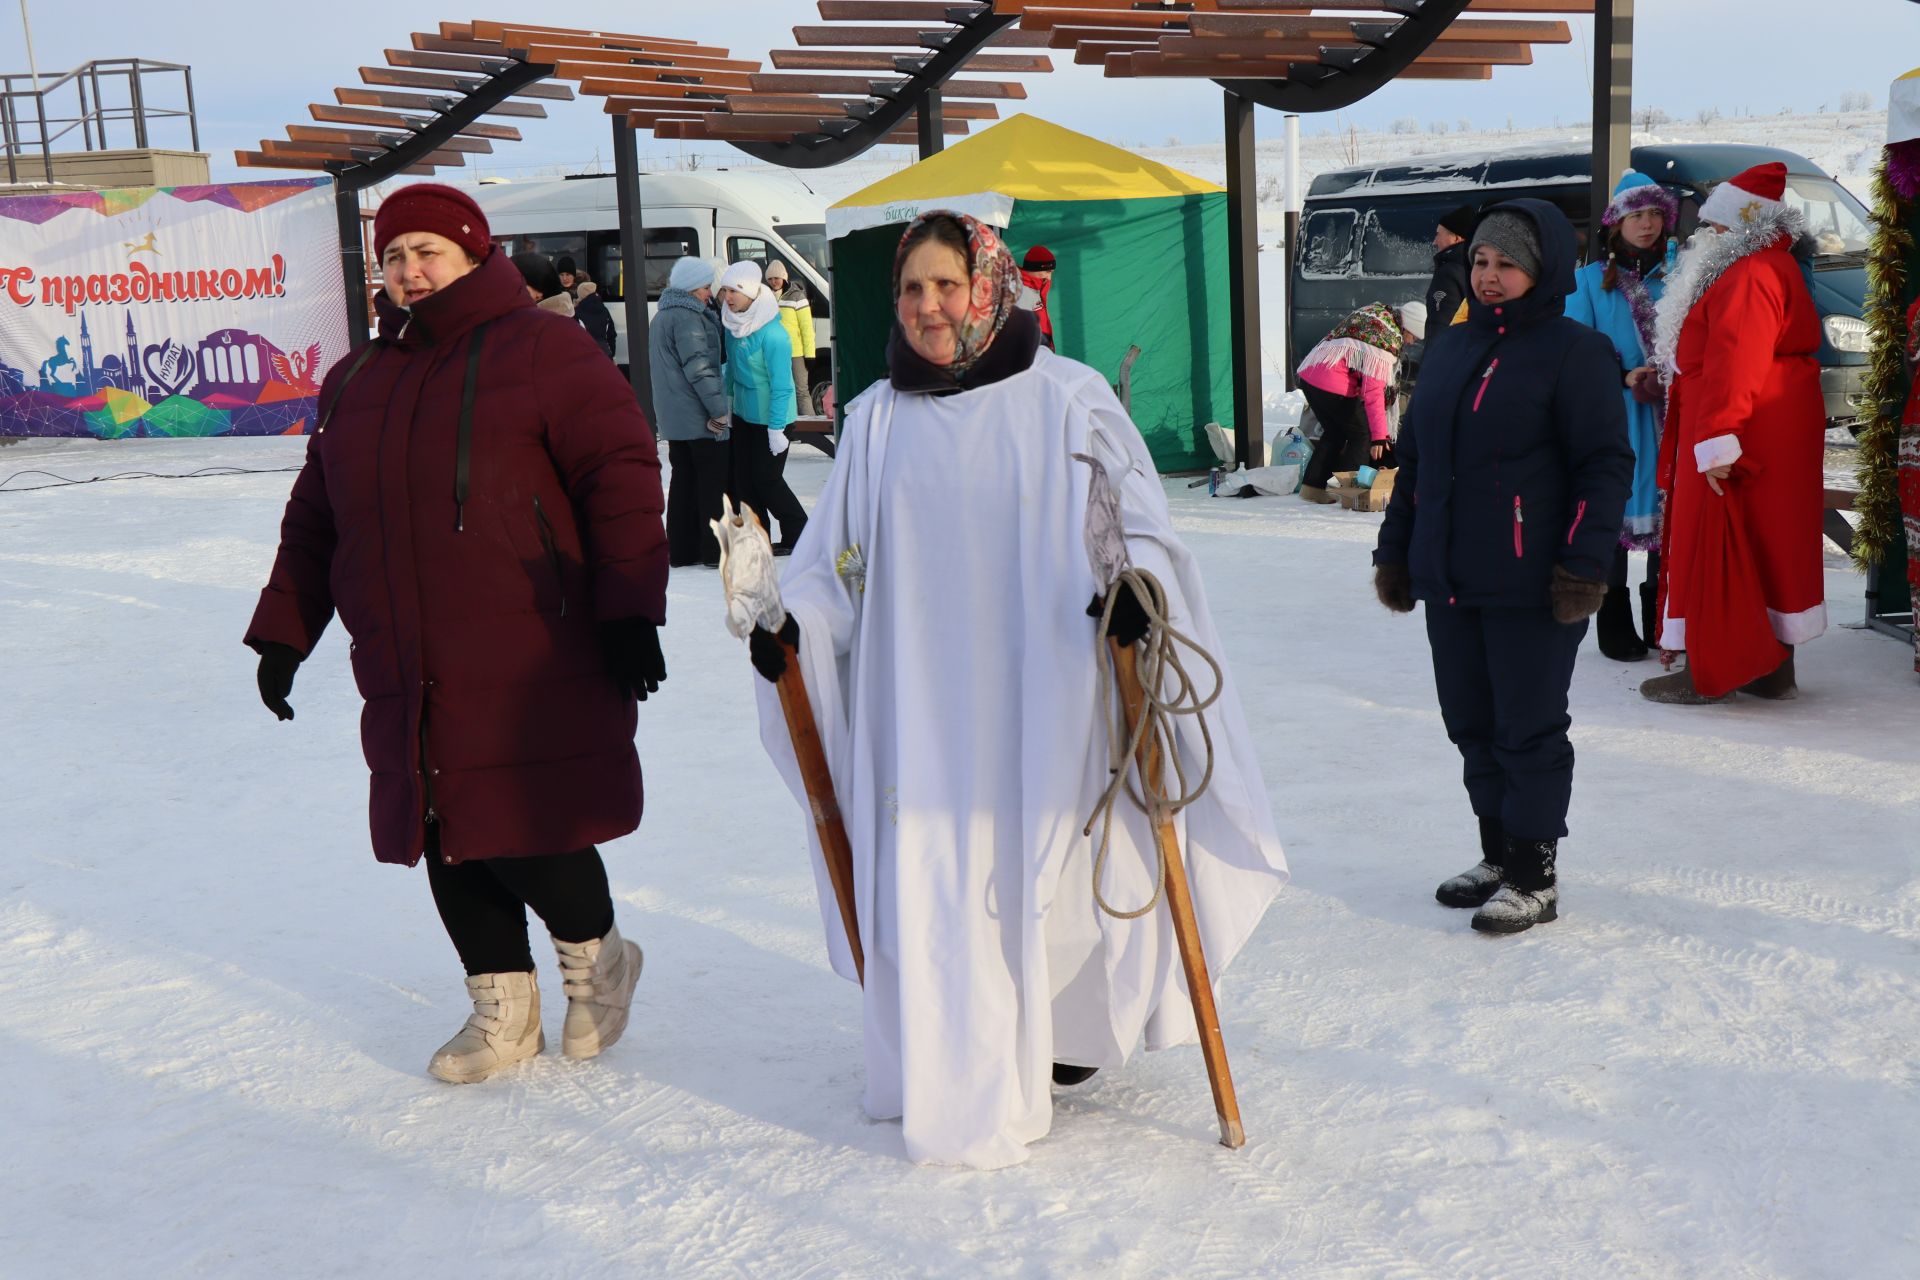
<point x="1514" y="473"/>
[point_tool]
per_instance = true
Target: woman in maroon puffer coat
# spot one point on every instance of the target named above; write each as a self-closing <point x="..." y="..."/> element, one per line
<point x="481" y="505"/>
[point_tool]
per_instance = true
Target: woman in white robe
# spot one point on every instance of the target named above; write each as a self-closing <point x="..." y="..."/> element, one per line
<point x="939" y="601"/>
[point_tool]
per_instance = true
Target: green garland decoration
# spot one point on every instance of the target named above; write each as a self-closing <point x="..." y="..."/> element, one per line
<point x="1885" y="384"/>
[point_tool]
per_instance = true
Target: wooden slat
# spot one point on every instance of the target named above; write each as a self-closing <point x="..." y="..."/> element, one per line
<point x="702" y="130"/>
<point x="345" y="151"/>
<point x="1308" y="51"/>
<point x="456" y="62"/>
<point x="1094" y="52"/>
<point x="509" y="32"/>
<point x="1026" y="6"/>
<point x="1048" y="19"/>
<point x="845" y="60"/>
<point x="650" y="79"/>
<point x="793" y="104"/>
<point x="401" y="79"/>
<point x="378" y="138"/>
<point x="518" y="39"/>
<point x="1253" y="26"/>
<point x="1580" y="8"/>
<point x="336" y="114"/>
<point x="908" y="37"/>
<point x="558" y="54"/>
<point x="889" y="10"/>
<point x="627" y="100"/>
<point x="414" y="102"/>
<point x="1072" y="37"/>
<point x="1157" y="66"/>
<point x="776" y="82"/>
<point x="260" y="160"/>
<point x="441" y="44"/>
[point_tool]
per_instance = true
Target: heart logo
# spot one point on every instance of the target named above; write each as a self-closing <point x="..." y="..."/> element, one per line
<point x="169" y="367"/>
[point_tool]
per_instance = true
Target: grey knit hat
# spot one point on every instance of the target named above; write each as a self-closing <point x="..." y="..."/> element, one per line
<point x="1512" y="234"/>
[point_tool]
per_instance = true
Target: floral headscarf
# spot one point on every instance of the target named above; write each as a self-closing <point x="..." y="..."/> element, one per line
<point x="995" y="279"/>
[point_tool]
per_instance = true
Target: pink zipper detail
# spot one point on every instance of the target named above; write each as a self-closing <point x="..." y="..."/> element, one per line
<point x="1579" y="514"/>
<point x="1519" y="546"/>
<point x="1485" y="378"/>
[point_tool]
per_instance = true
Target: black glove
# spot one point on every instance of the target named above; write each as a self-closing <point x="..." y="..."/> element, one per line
<point x="1129" y="624"/>
<point x="278" y="662"/>
<point x="634" y="660"/>
<point x="769" y="655"/>
<point x="1394" y="585"/>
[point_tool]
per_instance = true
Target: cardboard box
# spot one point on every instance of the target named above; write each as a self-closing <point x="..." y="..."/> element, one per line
<point x="1350" y="495"/>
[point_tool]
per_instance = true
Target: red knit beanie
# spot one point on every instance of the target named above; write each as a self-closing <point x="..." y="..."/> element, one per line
<point x="1039" y="258"/>
<point x="429" y="206"/>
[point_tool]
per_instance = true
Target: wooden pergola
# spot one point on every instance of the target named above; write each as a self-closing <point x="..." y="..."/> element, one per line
<point x="888" y="71"/>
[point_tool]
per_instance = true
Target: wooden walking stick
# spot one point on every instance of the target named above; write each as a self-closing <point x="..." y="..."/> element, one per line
<point x="1186" y="930"/>
<point x="1147" y="723"/>
<point x="752" y="586"/>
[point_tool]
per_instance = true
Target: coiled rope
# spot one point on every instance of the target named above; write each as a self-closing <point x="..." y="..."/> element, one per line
<point x="1160" y="664"/>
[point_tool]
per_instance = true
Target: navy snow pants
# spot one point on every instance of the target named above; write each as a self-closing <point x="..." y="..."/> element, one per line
<point x="1502" y="676"/>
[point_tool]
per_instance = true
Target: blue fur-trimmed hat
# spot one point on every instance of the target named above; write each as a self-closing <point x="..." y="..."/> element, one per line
<point x="1636" y="191"/>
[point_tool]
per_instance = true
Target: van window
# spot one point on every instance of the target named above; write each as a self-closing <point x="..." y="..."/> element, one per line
<point x="599" y="253"/>
<point x="1326" y="239"/>
<point x="664" y="247"/>
<point x="1397" y="240"/>
<point x="754" y="249"/>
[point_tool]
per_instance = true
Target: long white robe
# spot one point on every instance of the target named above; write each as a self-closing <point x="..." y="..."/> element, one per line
<point x="956" y="698"/>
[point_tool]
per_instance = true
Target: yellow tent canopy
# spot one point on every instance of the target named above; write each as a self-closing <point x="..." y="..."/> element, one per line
<point x="1023" y="158"/>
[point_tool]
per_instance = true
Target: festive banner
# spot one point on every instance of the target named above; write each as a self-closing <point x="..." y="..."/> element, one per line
<point x="169" y="311"/>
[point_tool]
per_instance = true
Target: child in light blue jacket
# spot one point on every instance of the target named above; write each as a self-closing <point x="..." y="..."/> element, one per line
<point x="1617" y="296"/>
<point x="760" y="384"/>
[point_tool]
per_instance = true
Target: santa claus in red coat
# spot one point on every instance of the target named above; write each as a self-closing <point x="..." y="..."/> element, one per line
<point x="1737" y="338"/>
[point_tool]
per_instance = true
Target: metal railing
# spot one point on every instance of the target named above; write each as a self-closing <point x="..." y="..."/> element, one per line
<point x="32" y="109"/>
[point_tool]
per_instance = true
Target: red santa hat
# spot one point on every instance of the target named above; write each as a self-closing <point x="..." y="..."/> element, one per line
<point x="1746" y="197"/>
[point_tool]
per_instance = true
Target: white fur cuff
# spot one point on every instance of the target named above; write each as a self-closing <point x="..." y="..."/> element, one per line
<point x="1721" y="451"/>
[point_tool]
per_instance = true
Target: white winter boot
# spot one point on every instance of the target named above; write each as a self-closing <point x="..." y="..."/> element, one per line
<point x="600" y="978"/>
<point x="504" y="1029"/>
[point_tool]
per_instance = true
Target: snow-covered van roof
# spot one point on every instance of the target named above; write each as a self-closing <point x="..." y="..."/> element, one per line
<point x="1547" y="164"/>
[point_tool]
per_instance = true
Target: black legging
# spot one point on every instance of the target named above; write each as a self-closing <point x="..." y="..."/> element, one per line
<point x="1343" y="424"/>
<point x="700" y="471"/>
<point x="483" y="904"/>
<point x="760" y="480"/>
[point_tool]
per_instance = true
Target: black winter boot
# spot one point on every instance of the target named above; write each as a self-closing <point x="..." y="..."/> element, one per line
<point x="1528" y="894"/>
<point x="1471" y="888"/>
<point x="1650" y="614"/>
<point x="1613" y="625"/>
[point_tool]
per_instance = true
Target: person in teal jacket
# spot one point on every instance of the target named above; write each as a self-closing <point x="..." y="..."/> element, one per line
<point x="760" y="384"/>
<point x="1616" y="295"/>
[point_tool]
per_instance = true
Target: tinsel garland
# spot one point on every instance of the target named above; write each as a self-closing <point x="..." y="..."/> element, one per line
<point x="1885" y="383"/>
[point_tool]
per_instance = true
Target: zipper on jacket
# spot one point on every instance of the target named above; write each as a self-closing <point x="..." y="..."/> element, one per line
<point x="553" y="552"/>
<point x="1579" y="514"/>
<point x="426" y="767"/>
<point x="1519" y="519"/>
<point x="1485" y="378"/>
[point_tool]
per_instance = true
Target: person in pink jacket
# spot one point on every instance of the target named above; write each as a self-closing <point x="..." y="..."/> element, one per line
<point x="1345" y="379"/>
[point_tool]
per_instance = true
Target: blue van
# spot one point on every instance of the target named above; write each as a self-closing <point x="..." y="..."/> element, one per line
<point x="1366" y="235"/>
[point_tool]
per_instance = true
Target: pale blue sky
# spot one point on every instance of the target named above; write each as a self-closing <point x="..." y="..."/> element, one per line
<point x="257" y="65"/>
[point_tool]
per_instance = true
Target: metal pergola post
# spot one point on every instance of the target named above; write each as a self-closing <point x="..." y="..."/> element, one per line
<point x="633" y="261"/>
<point x="1243" y="281"/>
<point x="933" y="133"/>
<point x="1612" y="109"/>
<point x="353" y="261"/>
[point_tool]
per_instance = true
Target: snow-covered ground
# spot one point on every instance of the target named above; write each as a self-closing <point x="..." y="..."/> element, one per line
<point x="218" y="1007"/>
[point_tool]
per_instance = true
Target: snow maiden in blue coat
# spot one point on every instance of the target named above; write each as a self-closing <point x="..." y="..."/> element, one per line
<point x="1616" y="296"/>
<point x="1514" y="471"/>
